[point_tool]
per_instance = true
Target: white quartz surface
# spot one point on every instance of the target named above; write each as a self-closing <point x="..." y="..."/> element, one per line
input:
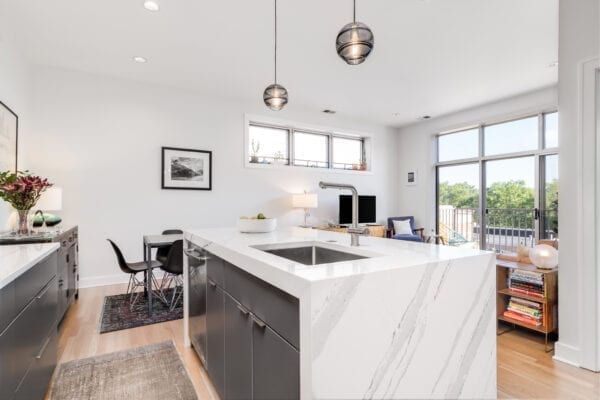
<point x="385" y="253"/>
<point x="17" y="259"/>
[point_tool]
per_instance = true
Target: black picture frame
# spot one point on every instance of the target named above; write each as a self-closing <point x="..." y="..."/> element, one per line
<point x="7" y="108"/>
<point x="185" y="181"/>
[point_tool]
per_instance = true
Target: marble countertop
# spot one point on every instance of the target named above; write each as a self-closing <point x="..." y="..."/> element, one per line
<point x="16" y="259"/>
<point x="385" y="254"/>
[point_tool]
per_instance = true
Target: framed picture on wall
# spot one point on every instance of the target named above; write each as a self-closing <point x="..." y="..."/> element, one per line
<point x="9" y="136"/>
<point x="186" y="169"/>
<point x="410" y="177"/>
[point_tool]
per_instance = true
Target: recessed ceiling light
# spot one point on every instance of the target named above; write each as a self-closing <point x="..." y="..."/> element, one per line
<point x="140" y="59"/>
<point x="151" y="5"/>
<point x="328" y="111"/>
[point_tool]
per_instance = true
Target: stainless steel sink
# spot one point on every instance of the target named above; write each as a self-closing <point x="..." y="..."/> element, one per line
<point x="310" y="253"/>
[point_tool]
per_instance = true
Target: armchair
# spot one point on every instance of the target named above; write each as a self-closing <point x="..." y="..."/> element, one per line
<point x="417" y="233"/>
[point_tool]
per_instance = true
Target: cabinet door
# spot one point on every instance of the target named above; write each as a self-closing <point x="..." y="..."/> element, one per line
<point x="238" y="351"/>
<point x="276" y="365"/>
<point x="63" y="291"/>
<point x="72" y="279"/>
<point x="215" y="336"/>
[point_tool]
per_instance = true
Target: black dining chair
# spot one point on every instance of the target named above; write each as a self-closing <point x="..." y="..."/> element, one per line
<point x="173" y="275"/>
<point x="163" y="252"/>
<point x="133" y="269"/>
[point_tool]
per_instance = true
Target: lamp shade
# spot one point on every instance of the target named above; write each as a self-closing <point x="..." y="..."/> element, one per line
<point x="50" y="200"/>
<point x="544" y="256"/>
<point x="305" y="200"/>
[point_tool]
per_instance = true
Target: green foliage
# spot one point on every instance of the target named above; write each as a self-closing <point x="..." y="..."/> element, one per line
<point x="459" y="195"/>
<point x="510" y="194"/>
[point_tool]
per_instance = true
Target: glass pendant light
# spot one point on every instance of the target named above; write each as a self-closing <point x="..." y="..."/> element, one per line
<point x="275" y="95"/>
<point x="355" y="41"/>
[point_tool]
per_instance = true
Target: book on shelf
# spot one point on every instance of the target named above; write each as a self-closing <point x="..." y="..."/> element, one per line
<point x="522" y="318"/>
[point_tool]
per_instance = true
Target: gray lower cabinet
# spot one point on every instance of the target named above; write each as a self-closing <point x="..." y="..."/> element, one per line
<point x="215" y="336"/>
<point x="238" y="350"/>
<point x="250" y="344"/>
<point x="28" y="334"/>
<point x="276" y="366"/>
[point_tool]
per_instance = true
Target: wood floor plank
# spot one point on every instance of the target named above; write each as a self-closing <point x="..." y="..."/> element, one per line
<point x="525" y="371"/>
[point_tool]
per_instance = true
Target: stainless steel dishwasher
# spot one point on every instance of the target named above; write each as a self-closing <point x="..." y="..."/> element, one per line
<point x="196" y="259"/>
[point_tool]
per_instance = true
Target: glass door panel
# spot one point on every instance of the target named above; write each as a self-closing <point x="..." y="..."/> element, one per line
<point x="549" y="202"/>
<point x="510" y="214"/>
<point x="458" y="214"/>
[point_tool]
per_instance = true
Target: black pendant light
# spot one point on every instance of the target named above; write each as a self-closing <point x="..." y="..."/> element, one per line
<point x="355" y="41"/>
<point x="275" y="95"/>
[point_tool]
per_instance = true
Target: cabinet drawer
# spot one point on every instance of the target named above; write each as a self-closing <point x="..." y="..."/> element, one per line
<point x="278" y="309"/>
<point x="36" y="381"/>
<point x="8" y="309"/>
<point x="31" y="282"/>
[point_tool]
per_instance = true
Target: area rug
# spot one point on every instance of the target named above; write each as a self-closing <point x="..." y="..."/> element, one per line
<point x="153" y="372"/>
<point x="117" y="315"/>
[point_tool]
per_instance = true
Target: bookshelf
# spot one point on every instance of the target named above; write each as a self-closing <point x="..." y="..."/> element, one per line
<point x="547" y="299"/>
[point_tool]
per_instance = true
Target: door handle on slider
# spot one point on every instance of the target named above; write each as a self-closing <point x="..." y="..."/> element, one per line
<point x="212" y="284"/>
<point x="258" y="322"/>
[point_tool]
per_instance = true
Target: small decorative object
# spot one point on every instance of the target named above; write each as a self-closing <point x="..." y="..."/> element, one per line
<point x="544" y="256"/>
<point x="255" y="148"/>
<point x="355" y="41"/>
<point x="275" y="95"/>
<point x="278" y="157"/>
<point x="9" y="131"/>
<point x="258" y="224"/>
<point x="186" y="169"/>
<point x="22" y="191"/>
<point x="411" y="177"/>
<point x="305" y="201"/>
<point x="51" y="200"/>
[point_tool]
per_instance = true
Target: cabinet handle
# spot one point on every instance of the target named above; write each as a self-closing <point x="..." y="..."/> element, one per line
<point x="39" y="296"/>
<point x="242" y="309"/>
<point x="39" y="355"/>
<point x="212" y="284"/>
<point x="67" y="258"/>
<point x="258" y="322"/>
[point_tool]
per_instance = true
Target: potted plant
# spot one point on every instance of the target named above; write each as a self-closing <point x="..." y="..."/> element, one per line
<point x="278" y="157"/>
<point x="255" y="148"/>
<point x="22" y="191"/>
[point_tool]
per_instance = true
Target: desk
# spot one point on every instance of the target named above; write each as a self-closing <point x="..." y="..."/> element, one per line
<point x="153" y="242"/>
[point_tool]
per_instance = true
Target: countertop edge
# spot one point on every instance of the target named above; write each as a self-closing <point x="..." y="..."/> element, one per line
<point x="48" y="248"/>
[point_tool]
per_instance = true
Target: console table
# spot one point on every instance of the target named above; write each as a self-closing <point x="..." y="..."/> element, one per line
<point x="374" y="230"/>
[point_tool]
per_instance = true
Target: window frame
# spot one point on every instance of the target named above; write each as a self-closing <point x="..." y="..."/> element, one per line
<point x="291" y="128"/>
<point x="539" y="153"/>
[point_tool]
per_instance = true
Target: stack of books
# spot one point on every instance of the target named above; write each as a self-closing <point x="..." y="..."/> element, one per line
<point x="526" y="282"/>
<point x="525" y="311"/>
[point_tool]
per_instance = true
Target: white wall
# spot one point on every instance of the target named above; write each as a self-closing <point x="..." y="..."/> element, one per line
<point x="99" y="139"/>
<point x="416" y="146"/>
<point x="14" y="92"/>
<point x="579" y="42"/>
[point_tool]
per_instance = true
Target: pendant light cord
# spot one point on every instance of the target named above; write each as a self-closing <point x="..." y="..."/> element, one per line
<point x="354" y="12"/>
<point x="275" y="41"/>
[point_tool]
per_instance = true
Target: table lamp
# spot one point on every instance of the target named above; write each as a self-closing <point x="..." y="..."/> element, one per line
<point x="50" y="200"/>
<point x="305" y="201"/>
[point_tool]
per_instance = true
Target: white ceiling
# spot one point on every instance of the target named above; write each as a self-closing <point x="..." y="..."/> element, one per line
<point x="431" y="56"/>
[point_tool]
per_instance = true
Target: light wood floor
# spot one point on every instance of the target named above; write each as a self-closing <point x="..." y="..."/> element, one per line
<point x="525" y="371"/>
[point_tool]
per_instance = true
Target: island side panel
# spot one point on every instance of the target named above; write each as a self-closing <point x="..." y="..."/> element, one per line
<point x="418" y="332"/>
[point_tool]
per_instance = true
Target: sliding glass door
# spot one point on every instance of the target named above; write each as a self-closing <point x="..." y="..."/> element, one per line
<point x="497" y="185"/>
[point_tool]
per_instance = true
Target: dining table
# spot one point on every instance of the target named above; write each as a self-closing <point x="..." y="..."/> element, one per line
<point x="154" y="242"/>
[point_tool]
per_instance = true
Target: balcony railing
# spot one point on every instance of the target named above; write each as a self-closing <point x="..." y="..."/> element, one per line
<point x="505" y="228"/>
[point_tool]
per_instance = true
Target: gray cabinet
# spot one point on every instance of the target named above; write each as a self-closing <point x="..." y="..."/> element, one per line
<point x="28" y="336"/>
<point x="238" y="350"/>
<point x="252" y="336"/>
<point x="215" y="336"/>
<point x="276" y="365"/>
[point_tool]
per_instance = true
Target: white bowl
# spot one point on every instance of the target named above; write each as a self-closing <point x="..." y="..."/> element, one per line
<point x="257" y="225"/>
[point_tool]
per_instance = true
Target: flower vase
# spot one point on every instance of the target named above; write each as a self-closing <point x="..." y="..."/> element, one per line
<point x="23" y="222"/>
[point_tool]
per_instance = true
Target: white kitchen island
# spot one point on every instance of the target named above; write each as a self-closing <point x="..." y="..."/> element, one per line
<point x="412" y="320"/>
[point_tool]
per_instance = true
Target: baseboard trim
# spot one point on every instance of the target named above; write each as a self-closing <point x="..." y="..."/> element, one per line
<point x="105" y="280"/>
<point x="566" y="354"/>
